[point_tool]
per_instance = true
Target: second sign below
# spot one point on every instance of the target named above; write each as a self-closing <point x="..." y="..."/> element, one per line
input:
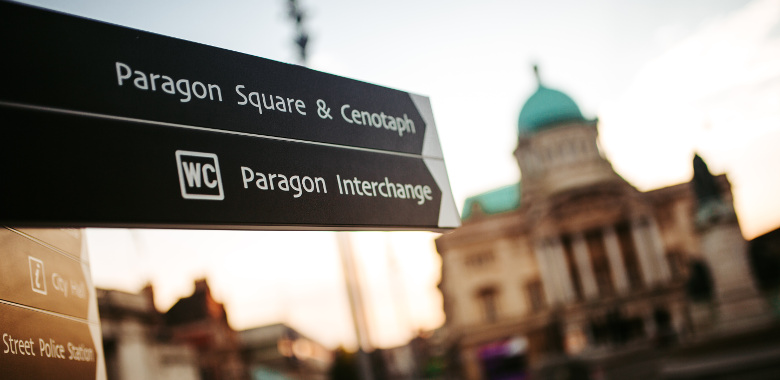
<point x="128" y="173"/>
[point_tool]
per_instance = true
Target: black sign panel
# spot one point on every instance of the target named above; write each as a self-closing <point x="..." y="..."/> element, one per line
<point x="72" y="63"/>
<point x="147" y="175"/>
<point x="109" y="126"/>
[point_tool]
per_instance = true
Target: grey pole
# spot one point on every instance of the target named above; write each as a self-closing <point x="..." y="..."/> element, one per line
<point x="355" y="304"/>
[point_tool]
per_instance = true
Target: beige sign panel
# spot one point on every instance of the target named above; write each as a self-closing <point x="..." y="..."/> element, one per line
<point x="33" y="274"/>
<point x="38" y="345"/>
<point x="66" y="240"/>
<point x="49" y="324"/>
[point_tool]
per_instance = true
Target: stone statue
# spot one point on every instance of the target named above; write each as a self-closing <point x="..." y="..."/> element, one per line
<point x="704" y="184"/>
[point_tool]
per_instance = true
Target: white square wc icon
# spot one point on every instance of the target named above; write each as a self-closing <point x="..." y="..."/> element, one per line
<point x="199" y="176"/>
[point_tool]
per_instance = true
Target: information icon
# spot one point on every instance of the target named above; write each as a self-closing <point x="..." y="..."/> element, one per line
<point x="37" y="275"/>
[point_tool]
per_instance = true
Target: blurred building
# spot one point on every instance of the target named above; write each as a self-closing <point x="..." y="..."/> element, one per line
<point x="277" y="352"/>
<point x="201" y="322"/>
<point x="135" y="342"/>
<point x="193" y="341"/>
<point x="573" y="261"/>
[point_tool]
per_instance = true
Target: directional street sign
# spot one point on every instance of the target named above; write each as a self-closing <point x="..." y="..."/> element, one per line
<point x="39" y="277"/>
<point x="38" y="345"/>
<point x="108" y="126"/>
<point x="49" y="322"/>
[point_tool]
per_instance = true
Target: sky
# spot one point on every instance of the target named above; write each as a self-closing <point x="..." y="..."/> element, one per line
<point x="665" y="79"/>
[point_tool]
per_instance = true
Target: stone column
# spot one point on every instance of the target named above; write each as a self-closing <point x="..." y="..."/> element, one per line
<point x="659" y="252"/>
<point x="561" y="270"/>
<point x="548" y="282"/>
<point x="590" y="288"/>
<point x="616" y="265"/>
<point x="556" y="279"/>
<point x="646" y="262"/>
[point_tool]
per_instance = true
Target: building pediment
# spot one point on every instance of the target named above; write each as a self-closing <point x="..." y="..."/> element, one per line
<point x="585" y="208"/>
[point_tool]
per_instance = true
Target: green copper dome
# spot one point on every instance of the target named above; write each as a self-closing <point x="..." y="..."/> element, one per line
<point x="495" y="201"/>
<point x="547" y="107"/>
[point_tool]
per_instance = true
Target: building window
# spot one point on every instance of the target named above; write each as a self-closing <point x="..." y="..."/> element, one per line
<point x="535" y="295"/>
<point x="572" y="265"/>
<point x="488" y="299"/>
<point x="598" y="256"/>
<point x="628" y="251"/>
<point x="480" y="259"/>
